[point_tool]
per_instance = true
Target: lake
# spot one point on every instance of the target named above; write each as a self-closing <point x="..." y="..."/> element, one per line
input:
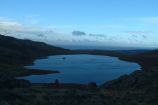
<point x="81" y="69"/>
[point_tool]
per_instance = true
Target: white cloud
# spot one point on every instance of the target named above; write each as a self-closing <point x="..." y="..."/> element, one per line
<point x="9" y="24"/>
<point x="14" y="28"/>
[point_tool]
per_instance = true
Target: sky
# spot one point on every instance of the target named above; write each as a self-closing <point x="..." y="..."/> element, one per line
<point x="127" y="23"/>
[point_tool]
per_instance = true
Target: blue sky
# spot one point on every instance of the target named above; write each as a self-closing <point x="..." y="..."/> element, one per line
<point x="105" y="22"/>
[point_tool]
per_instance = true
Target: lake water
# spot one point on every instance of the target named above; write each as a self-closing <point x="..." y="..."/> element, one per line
<point x="81" y="69"/>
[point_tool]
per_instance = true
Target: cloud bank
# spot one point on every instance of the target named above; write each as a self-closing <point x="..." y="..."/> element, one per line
<point x="49" y="35"/>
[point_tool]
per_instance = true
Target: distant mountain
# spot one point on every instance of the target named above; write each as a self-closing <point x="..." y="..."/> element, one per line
<point x="16" y="51"/>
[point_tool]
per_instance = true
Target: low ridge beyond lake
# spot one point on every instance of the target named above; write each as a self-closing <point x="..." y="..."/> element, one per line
<point x="81" y="69"/>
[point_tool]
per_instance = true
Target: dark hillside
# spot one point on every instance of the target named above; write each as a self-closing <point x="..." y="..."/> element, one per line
<point x="17" y="51"/>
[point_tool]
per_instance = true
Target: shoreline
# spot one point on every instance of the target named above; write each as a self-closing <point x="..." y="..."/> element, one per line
<point x="30" y="72"/>
<point x="43" y="72"/>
